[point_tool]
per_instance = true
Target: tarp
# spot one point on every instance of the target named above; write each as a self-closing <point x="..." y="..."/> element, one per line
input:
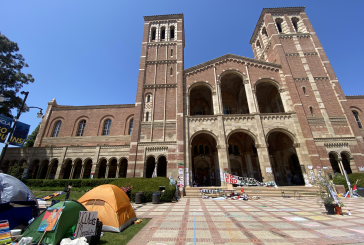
<point x="18" y="204"/>
<point x="113" y="207"/>
<point x="65" y="227"/>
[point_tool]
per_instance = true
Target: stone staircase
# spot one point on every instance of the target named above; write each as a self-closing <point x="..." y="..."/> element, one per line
<point x="194" y="192"/>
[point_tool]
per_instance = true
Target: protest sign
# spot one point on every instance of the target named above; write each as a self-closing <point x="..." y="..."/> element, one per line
<point x="50" y="219"/>
<point x="5" y="125"/>
<point x="20" y="134"/>
<point x="86" y="225"/>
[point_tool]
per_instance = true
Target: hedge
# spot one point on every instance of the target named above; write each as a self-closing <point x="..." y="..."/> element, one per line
<point x="340" y="180"/>
<point x="148" y="186"/>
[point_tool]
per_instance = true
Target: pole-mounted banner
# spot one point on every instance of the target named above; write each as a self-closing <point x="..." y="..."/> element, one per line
<point x="20" y="134"/>
<point x="5" y="126"/>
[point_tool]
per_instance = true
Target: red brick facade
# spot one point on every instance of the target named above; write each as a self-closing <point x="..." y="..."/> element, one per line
<point x="288" y="94"/>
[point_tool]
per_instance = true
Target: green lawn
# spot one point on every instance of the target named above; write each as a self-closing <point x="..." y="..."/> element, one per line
<point x="123" y="237"/>
<point x="75" y="195"/>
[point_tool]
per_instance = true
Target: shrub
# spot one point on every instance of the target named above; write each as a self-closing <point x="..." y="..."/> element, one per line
<point x="339" y="179"/>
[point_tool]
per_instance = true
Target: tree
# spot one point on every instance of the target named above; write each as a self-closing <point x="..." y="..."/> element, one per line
<point x="11" y="77"/>
<point x="31" y="138"/>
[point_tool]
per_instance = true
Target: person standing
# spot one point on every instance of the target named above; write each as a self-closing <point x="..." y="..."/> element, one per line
<point x="67" y="189"/>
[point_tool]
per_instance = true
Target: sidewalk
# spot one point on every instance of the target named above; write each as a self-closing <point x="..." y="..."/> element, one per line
<point x="271" y="221"/>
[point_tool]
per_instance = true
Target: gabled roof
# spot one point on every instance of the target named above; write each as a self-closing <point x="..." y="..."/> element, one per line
<point x="274" y="10"/>
<point x="231" y="56"/>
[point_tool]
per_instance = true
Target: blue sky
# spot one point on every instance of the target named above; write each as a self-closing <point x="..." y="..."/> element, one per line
<point x="87" y="52"/>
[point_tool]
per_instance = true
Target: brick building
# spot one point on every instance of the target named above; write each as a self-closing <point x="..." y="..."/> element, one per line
<point x="281" y="115"/>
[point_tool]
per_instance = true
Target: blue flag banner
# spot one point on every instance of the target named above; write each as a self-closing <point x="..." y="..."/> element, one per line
<point x="20" y="134"/>
<point x="5" y="126"/>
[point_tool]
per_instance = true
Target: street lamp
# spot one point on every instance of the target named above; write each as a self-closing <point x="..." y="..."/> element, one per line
<point x="39" y="115"/>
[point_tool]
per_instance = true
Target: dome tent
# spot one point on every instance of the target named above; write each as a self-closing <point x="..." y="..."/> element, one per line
<point x="67" y="221"/>
<point x="113" y="207"/>
<point x="18" y="204"/>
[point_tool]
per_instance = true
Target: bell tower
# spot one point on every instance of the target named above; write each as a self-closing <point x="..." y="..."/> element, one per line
<point x="157" y="138"/>
<point x="285" y="36"/>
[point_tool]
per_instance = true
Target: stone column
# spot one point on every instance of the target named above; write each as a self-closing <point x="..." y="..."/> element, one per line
<point x="93" y="169"/>
<point x="117" y="170"/>
<point x="188" y="105"/>
<point x="284" y="99"/>
<point x="72" y="170"/>
<point x="215" y="102"/>
<point x="250" y="96"/>
<point x="107" y="170"/>
<point x="58" y="172"/>
<point x="248" y="161"/>
<point x="82" y="170"/>
<point x="255" y="100"/>
<point x="50" y="165"/>
<point x="264" y="162"/>
<point x="189" y="157"/>
<point x="340" y="163"/>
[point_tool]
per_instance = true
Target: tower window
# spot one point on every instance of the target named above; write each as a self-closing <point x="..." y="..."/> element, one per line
<point x="172" y="32"/>
<point x="163" y="33"/>
<point x="295" y="23"/>
<point x="304" y="90"/>
<point x="107" y="126"/>
<point x="131" y="126"/>
<point x="311" y="110"/>
<point x="264" y="32"/>
<point x="258" y="44"/>
<point x="279" y="24"/>
<point x="148" y="98"/>
<point x="172" y="52"/>
<point x="81" y="128"/>
<point x="171" y="71"/>
<point x="356" y="116"/>
<point x="57" y="127"/>
<point x="147" y="117"/>
<point x="153" y="33"/>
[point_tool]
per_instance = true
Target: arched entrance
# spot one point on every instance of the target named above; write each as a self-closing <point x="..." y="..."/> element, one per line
<point x="269" y="98"/>
<point x="66" y="170"/>
<point x="44" y="169"/>
<point x="123" y="168"/>
<point x="204" y="160"/>
<point x="201" y="101"/>
<point x="286" y="167"/>
<point x="162" y="167"/>
<point x="243" y="156"/>
<point x="33" y="170"/>
<point x="334" y="163"/>
<point x="346" y="162"/>
<point x="102" y="169"/>
<point x="112" y="169"/>
<point x="233" y="94"/>
<point x="87" y="169"/>
<point x="150" y="165"/>
<point x="77" y="168"/>
<point x="53" y="171"/>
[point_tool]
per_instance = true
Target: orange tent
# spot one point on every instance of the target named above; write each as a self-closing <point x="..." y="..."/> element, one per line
<point x="113" y="207"/>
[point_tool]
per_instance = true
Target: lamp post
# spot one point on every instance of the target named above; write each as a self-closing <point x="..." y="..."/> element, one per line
<point x="39" y="115"/>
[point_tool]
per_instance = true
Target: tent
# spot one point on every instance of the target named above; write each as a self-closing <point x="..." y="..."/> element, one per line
<point x="18" y="204"/>
<point x="65" y="227"/>
<point x="113" y="206"/>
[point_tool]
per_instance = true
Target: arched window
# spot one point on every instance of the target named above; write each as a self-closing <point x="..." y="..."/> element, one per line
<point x="172" y="52"/>
<point x="153" y="33"/>
<point x="148" y="98"/>
<point x="163" y="33"/>
<point x="279" y="24"/>
<point x="295" y="23"/>
<point x="304" y="90"/>
<point x="171" y="71"/>
<point x="147" y="117"/>
<point x="81" y="128"/>
<point x="311" y="110"/>
<point x="356" y="116"/>
<point x="227" y="109"/>
<point x="107" y="126"/>
<point x="258" y="44"/>
<point x="264" y="32"/>
<point x="131" y="126"/>
<point x="57" y="127"/>
<point x="198" y="110"/>
<point x="172" y="32"/>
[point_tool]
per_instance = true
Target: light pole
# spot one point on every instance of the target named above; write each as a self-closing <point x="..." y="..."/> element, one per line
<point x="39" y="115"/>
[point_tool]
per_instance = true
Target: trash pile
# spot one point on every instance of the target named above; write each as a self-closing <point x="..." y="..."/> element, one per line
<point x="232" y="195"/>
<point x="104" y="208"/>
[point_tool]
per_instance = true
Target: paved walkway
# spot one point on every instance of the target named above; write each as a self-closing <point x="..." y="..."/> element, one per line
<point x="270" y="220"/>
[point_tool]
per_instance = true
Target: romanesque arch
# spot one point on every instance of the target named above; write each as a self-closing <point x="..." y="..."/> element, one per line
<point x="162" y="166"/>
<point x="77" y="168"/>
<point x="53" y="169"/>
<point x="87" y="167"/>
<point x="102" y="168"/>
<point x="200" y="95"/>
<point x="113" y="164"/>
<point x="149" y="166"/>
<point x="345" y="159"/>
<point x="268" y="96"/>
<point x="43" y="169"/>
<point x="123" y="167"/>
<point x="66" y="169"/>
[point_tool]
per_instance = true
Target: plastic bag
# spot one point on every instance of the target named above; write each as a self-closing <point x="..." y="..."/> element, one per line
<point x="77" y="241"/>
<point x="26" y="241"/>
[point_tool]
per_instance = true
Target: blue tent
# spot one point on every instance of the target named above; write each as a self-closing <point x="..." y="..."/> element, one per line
<point x="18" y="204"/>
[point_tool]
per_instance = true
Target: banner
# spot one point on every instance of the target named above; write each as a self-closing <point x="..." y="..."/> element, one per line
<point x="231" y="179"/>
<point x="86" y="225"/>
<point x="20" y="134"/>
<point x="5" y="126"/>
